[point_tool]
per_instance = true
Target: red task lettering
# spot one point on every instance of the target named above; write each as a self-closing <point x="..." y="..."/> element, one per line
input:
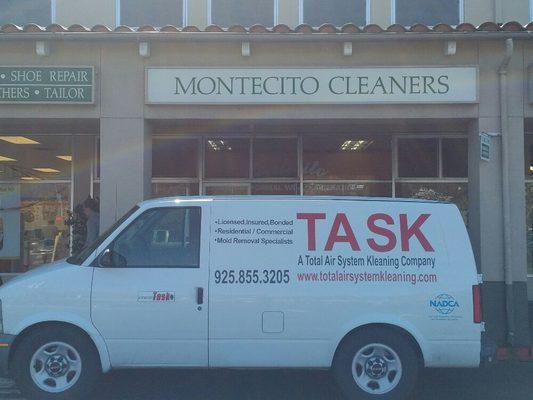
<point x="349" y="237"/>
<point x="341" y="222"/>
<point x="311" y="227"/>
<point x="378" y="230"/>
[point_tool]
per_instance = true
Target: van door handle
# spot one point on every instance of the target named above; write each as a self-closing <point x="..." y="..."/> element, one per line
<point x="199" y="295"/>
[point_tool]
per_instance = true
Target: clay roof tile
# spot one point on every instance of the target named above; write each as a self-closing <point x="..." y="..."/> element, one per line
<point x="11" y="28"/>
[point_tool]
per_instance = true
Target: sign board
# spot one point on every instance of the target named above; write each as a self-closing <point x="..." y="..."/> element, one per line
<point x="9" y="221"/>
<point x="311" y="85"/>
<point x="484" y="148"/>
<point x="53" y="85"/>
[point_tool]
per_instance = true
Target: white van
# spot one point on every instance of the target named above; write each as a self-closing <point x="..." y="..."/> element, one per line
<point x="374" y="289"/>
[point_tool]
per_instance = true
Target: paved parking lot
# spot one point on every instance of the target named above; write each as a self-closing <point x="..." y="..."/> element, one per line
<point x="504" y="381"/>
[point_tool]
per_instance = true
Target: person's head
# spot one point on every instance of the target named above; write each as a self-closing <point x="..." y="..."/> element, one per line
<point x="90" y="206"/>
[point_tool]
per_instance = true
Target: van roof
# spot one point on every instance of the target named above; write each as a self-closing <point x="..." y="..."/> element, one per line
<point x="289" y="198"/>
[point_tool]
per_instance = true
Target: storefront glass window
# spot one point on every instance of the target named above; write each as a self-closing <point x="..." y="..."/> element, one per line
<point x="227" y="158"/>
<point x="175" y="158"/>
<point x="277" y="188"/>
<point x="22" y="12"/>
<point x="313" y="165"/>
<point x="360" y="158"/>
<point x="529" y="226"/>
<point x="528" y="170"/>
<point x="154" y="12"/>
<point x="348" y="189"/>
<point x="275" y="158"/>
<point x="454" y="158"/>
<point x="44" y="211"/>
<point x="428" y="12"/>
<point x="242" y="12"/>
<point x="167" y="189"/>
<point x="35" y="198"/>
<point x="227" y="189"/>
<point x="440" y="191"/>
<point x="418" y="158"/>
<point x="336" y="12"/>
<point x="528" y="156"/>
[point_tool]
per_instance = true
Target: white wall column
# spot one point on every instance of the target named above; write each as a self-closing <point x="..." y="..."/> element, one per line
<point x="82" y="158"/>
<point x="126" y="166"/>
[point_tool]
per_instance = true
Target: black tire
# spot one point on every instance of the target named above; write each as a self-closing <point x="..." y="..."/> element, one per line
<point x="90" y="371"/>
<point x="399" y="343"/>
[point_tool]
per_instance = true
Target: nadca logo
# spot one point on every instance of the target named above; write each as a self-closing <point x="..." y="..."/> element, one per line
<point x="444" y="304"/>
<point x="156" y="295"/>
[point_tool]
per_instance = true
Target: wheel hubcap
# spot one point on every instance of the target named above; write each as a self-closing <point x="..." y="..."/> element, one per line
<point x="55" y="367"/>
<point x="376" y="368"/>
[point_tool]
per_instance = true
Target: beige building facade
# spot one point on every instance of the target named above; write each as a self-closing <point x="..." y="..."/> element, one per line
<point x="112" y="121"/>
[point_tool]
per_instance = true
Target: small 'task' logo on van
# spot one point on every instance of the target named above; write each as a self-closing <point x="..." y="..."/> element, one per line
<point x="156" y="296"/>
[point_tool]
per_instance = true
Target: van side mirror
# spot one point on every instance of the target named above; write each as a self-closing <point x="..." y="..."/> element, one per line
<point x="110" y="258"/>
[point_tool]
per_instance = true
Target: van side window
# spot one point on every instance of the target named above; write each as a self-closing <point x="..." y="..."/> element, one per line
<point x="160" y="238"/>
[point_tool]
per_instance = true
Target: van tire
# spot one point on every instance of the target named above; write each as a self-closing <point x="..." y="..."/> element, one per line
<point x="68" y="341"/>
<point x="369" y="349"/>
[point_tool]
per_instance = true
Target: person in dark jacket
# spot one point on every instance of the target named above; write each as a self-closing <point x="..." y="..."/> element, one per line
<point x="92" y="211"/>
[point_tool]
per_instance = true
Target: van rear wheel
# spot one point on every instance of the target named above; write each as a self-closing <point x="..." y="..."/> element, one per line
<point x="55" y="364"/>
<point x="376" y="363"/>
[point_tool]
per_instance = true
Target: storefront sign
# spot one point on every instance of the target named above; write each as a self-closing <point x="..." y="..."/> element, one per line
<point x="9" y="221"/>
<point x="311" y="85"/>
<point x="54" y="85"/>
<point x="484" y="148"/>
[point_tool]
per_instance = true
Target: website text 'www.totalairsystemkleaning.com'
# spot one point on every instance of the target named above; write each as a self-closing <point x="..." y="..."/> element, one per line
<point x="360" y="277"/>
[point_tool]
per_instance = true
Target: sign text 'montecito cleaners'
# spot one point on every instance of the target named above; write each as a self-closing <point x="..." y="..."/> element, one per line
<point x="36" y="84"/>
<point x="311" y="85"/>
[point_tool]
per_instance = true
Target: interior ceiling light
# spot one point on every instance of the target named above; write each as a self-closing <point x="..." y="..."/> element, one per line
<point x="356" y="145"/>
<point x="29" y="178"/>
<point x="218" y="145"/>
<point x="531" y="167"/>
<point x="66" y="158"/>
<point x="47" y="170"/>
<point x="5" y="159"/>
<point x="18" y="140"/>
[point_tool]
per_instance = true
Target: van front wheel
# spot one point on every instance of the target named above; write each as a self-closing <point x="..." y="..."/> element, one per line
<point x="55" y="364"/>
<point x="376" y="363"/>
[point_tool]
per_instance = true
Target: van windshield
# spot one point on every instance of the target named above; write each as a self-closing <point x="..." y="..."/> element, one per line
<point x="79" y="258"/>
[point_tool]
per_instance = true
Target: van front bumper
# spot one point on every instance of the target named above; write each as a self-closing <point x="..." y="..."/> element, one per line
<point x="5" y="346"/>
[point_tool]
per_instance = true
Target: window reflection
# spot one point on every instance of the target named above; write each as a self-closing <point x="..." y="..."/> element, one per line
<point x="454" y="158"/>
<point x="275" y="158"/>
<point x="456" y="193"/>
<point x="175" y="158"/>
<point x="242" y="12"/>
<point x="22" y="12"/>
<point x="348" y="189"/>
<point x="36" y="184"/>
<point x="154" y="12"/>
<point x="354" y="157"/>
<point x="227" y="158"/>
<point x="528" y="156"/>
<point x="418" y="158"/>
<point x="529" y="226"/>
<point x="336" y="12"/>
<point x="428" y="12"/>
